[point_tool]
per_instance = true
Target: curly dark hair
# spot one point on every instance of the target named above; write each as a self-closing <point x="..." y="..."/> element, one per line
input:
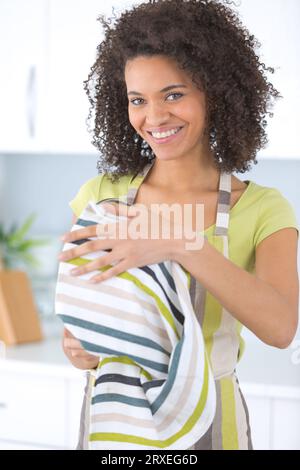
<point x="209" y="42"/>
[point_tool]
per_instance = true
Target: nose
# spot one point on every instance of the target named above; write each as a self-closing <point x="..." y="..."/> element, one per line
<point x="156" y="114"/>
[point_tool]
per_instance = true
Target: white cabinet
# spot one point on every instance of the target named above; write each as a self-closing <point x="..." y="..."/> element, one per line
<point x="9" y="445"/>
<point x="74" y="35"/>
<point x="47" y="48"/>
<point x="274" y="416"/>
<point x="286" y="414"/>
<point x="33" y="409"/>
<point x="41" y="394"/>
<point x="40" y="405"/>
<point x="22" y="80"/>
<point x="260" y="421"/>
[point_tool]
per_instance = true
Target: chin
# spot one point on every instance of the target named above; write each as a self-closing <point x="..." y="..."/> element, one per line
<point x="167" y="156"/>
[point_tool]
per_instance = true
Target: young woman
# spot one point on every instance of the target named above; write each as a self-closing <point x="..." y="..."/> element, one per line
<point x="180" y="100"/>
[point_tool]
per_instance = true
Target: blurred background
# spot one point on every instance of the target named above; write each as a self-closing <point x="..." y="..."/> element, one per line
<point x="46" y="50"/>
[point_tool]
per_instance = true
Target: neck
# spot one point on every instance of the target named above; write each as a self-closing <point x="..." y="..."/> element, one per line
<point x="185" y="174"/>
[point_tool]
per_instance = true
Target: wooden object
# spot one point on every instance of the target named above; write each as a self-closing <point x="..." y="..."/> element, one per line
<point x="19" y="320"/>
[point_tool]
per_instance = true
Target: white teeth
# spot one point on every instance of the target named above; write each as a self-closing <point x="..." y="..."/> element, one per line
<point x="163" y="135"/>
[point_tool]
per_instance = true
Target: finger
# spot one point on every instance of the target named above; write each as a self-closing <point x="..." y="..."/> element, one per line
<point x="67" y="333"/>
<point x="71" y="343"/>
<point x="113" y="232"/>
<point x="85" y="248"/>
<point x="96" y="265"/>
<point x="133" y="210"/>
<point x="85" y="232"/>
<point x="114" y="271"/>
<point x="83" y="355"/>
<point x="78" y="353"/>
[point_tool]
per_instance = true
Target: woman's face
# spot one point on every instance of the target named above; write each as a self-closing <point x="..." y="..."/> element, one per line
<point x="175" y="115"/>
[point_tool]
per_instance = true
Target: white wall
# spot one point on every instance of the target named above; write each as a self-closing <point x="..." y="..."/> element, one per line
<point x="276" y="24"/>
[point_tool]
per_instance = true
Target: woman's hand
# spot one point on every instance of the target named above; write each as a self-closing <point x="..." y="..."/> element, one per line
<point x="76" y="354"/>
<point x="129" y="248"/>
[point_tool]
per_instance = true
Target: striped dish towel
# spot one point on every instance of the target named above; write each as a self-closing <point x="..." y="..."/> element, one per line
<point x="153" y="388"/>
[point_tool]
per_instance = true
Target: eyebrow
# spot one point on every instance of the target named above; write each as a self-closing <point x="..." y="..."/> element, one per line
<point x="170" y="87"/>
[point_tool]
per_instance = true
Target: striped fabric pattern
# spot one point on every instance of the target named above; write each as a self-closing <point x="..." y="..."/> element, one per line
<point x="153" y="388"/>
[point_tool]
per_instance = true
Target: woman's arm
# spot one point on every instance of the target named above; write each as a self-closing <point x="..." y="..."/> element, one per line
<point x="267" y="302"/>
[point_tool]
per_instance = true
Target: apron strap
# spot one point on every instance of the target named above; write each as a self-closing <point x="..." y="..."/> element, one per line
<point x="222" y="221"/>
<point x="135" y="183"/>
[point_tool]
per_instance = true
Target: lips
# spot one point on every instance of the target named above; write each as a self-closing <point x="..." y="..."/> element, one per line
<point x="170" y="138"/>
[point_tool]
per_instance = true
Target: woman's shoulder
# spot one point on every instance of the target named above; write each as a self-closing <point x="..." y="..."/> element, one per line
<point x="265" y="195"/>
<point x="110" y="188"/>
<point x="97" y="188"/>
<point x="267" y="209"/>
<point x="102" y="186"/>
<point x="255" y="194"/>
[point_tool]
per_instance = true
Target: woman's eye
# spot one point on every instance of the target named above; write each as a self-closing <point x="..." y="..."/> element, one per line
<point x="175" y="94"/>
<point x="172" y="94"/>
<point x="133" y="101"/>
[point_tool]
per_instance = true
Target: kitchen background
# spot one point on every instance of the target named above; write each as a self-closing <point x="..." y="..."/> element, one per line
<point x="46" y="49"/>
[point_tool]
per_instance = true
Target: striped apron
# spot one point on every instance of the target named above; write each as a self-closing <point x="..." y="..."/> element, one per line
<point x="230" y="429"/>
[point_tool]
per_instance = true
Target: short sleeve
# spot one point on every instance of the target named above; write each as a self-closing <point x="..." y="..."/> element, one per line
<point x="275" y="213"/>
<point x="90" y="190"/>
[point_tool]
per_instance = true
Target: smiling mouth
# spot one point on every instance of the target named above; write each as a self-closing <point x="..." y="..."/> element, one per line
<point x="165" y="137"/>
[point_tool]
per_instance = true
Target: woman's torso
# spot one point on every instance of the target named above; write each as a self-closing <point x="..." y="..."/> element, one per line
<point x="229" y="397"/>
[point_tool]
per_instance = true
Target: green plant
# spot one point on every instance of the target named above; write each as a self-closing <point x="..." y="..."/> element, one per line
<point x="15" y="249"/>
